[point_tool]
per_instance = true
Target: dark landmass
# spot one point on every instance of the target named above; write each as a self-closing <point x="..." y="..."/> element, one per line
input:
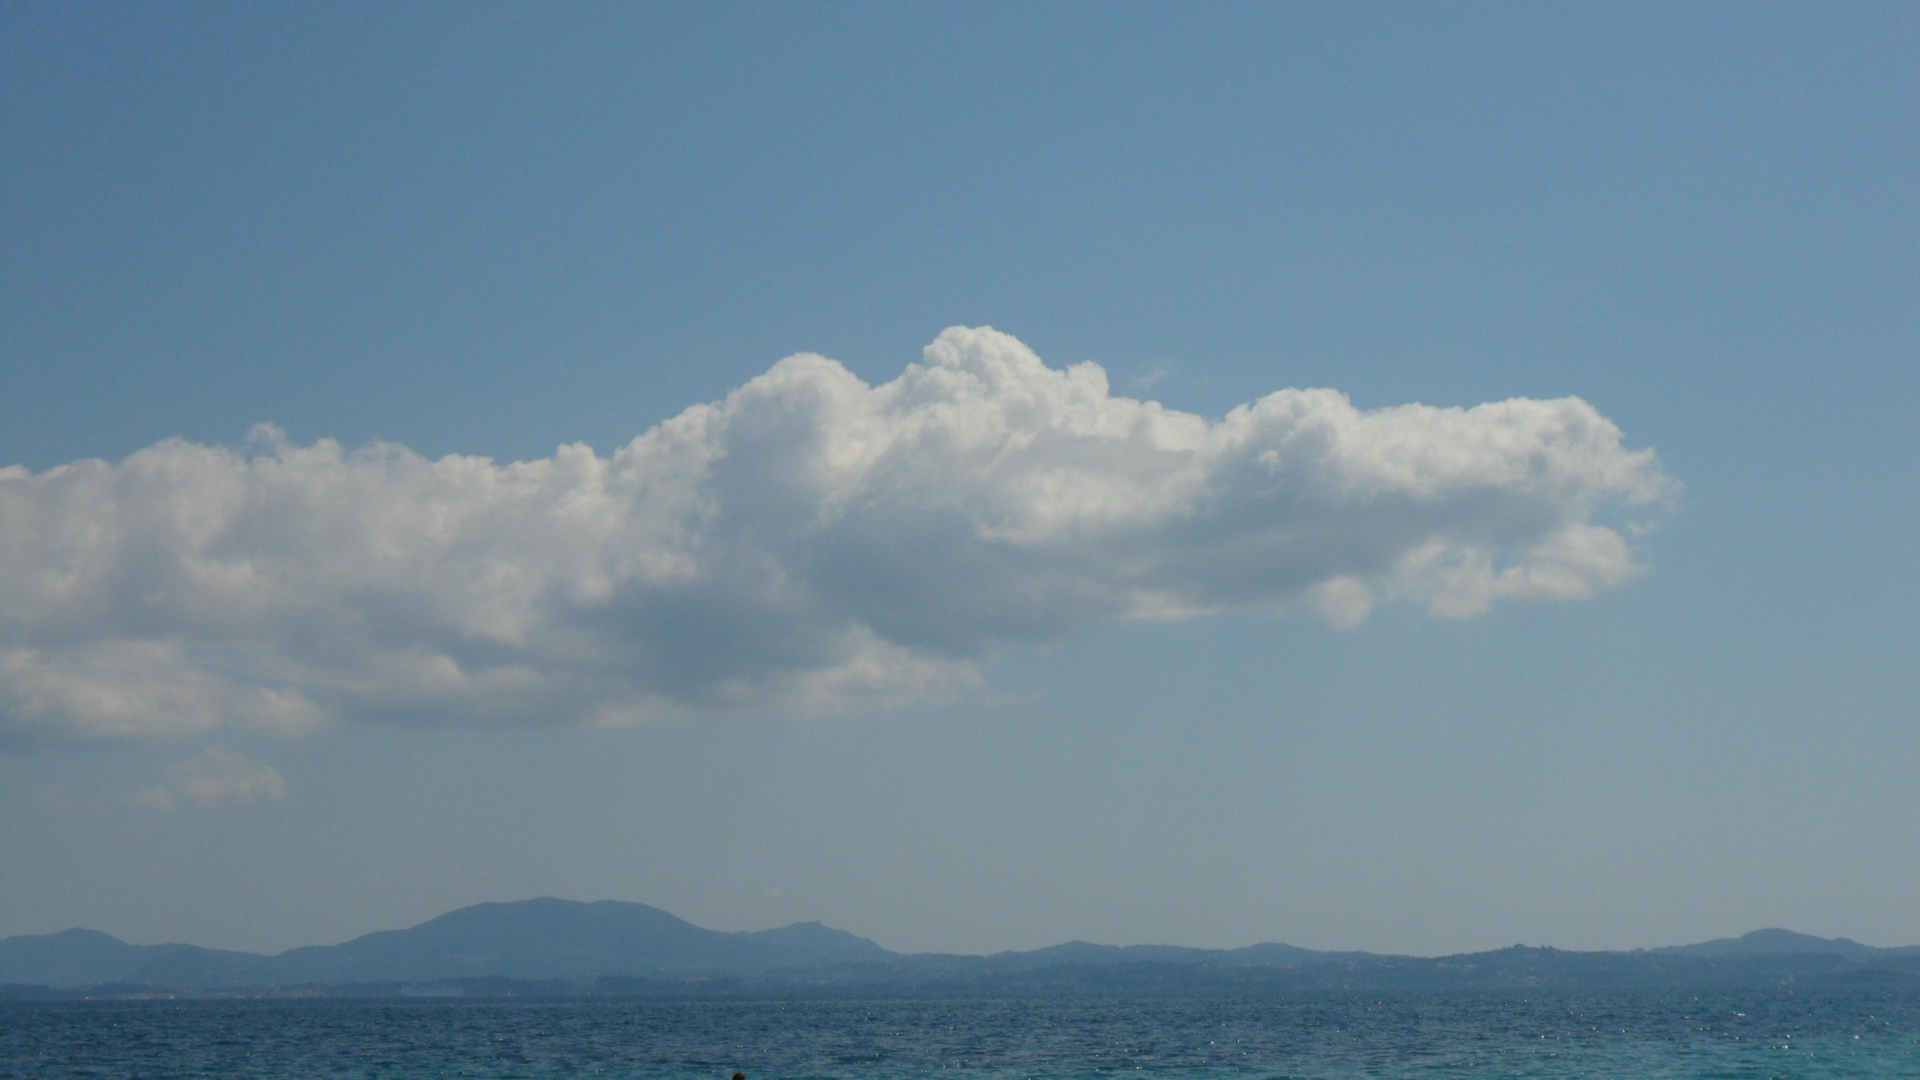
<point x="548" y="948"/>
<point x="528" y="940"/>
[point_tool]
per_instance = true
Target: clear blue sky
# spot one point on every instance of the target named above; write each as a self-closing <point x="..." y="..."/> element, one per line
<point x="491" y="230"/>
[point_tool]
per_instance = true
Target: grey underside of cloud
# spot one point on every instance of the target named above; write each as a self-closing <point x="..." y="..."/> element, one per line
<point x="811" y="542"/>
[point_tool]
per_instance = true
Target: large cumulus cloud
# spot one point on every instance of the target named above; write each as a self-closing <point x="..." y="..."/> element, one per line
<point x="808" y="542"/>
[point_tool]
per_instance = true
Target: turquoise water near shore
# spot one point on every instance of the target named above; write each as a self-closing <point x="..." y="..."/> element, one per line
<point x="1333" y="1035"/>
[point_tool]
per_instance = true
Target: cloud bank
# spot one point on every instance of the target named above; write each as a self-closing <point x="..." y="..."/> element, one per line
<point x="808" y="543"/>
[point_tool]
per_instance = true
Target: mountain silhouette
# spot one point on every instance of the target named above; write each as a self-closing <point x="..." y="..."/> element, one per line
<point x="527" y="939"/>
<point x="617" y="947"/>
<point x="1781" y="943"/>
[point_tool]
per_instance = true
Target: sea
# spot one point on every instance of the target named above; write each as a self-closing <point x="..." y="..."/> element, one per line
<point x="1759" y="1033"/>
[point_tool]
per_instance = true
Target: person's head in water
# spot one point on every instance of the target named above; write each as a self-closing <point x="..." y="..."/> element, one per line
<point x="739" y="1076"/>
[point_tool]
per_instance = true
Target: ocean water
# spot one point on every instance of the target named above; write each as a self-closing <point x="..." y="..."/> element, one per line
<point x="1654" y="1034"/>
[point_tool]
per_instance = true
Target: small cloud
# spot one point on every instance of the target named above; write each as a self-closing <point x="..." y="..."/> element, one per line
<point x="1342" y="603"/>
<point x="1150" y="376"/>
<point x="217" y="776"/>
<point x="55" y="798"/>
<point x="154" y="798"/>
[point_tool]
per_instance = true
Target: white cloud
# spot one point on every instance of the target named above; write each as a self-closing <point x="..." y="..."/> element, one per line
<point x="809" y="542"/>
<point x="216" y="776"/>
<point x="1343" y="602"/>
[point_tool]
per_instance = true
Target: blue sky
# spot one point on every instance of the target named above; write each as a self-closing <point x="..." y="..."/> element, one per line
<point x="494" y="230"/>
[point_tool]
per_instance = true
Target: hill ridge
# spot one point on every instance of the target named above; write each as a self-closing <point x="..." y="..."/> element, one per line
<point x="586" y="943"/>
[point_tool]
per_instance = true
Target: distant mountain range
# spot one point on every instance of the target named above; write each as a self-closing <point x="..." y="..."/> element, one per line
<point x="552" y="946"/>
<point x="531" y="939"/>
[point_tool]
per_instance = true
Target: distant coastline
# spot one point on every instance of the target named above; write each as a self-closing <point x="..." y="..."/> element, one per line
<point x="549" y="947"/>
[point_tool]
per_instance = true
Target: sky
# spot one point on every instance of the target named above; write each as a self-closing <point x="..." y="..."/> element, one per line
<point x="1388" y="477"/>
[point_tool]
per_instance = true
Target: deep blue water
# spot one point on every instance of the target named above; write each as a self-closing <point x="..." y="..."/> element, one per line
<point x="1756" y="1033"/>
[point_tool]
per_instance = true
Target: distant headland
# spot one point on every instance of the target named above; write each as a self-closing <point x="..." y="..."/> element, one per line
<point x="549" y="947"/>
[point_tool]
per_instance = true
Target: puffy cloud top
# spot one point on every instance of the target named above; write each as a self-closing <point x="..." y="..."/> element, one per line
<point x="808" y="542"/>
